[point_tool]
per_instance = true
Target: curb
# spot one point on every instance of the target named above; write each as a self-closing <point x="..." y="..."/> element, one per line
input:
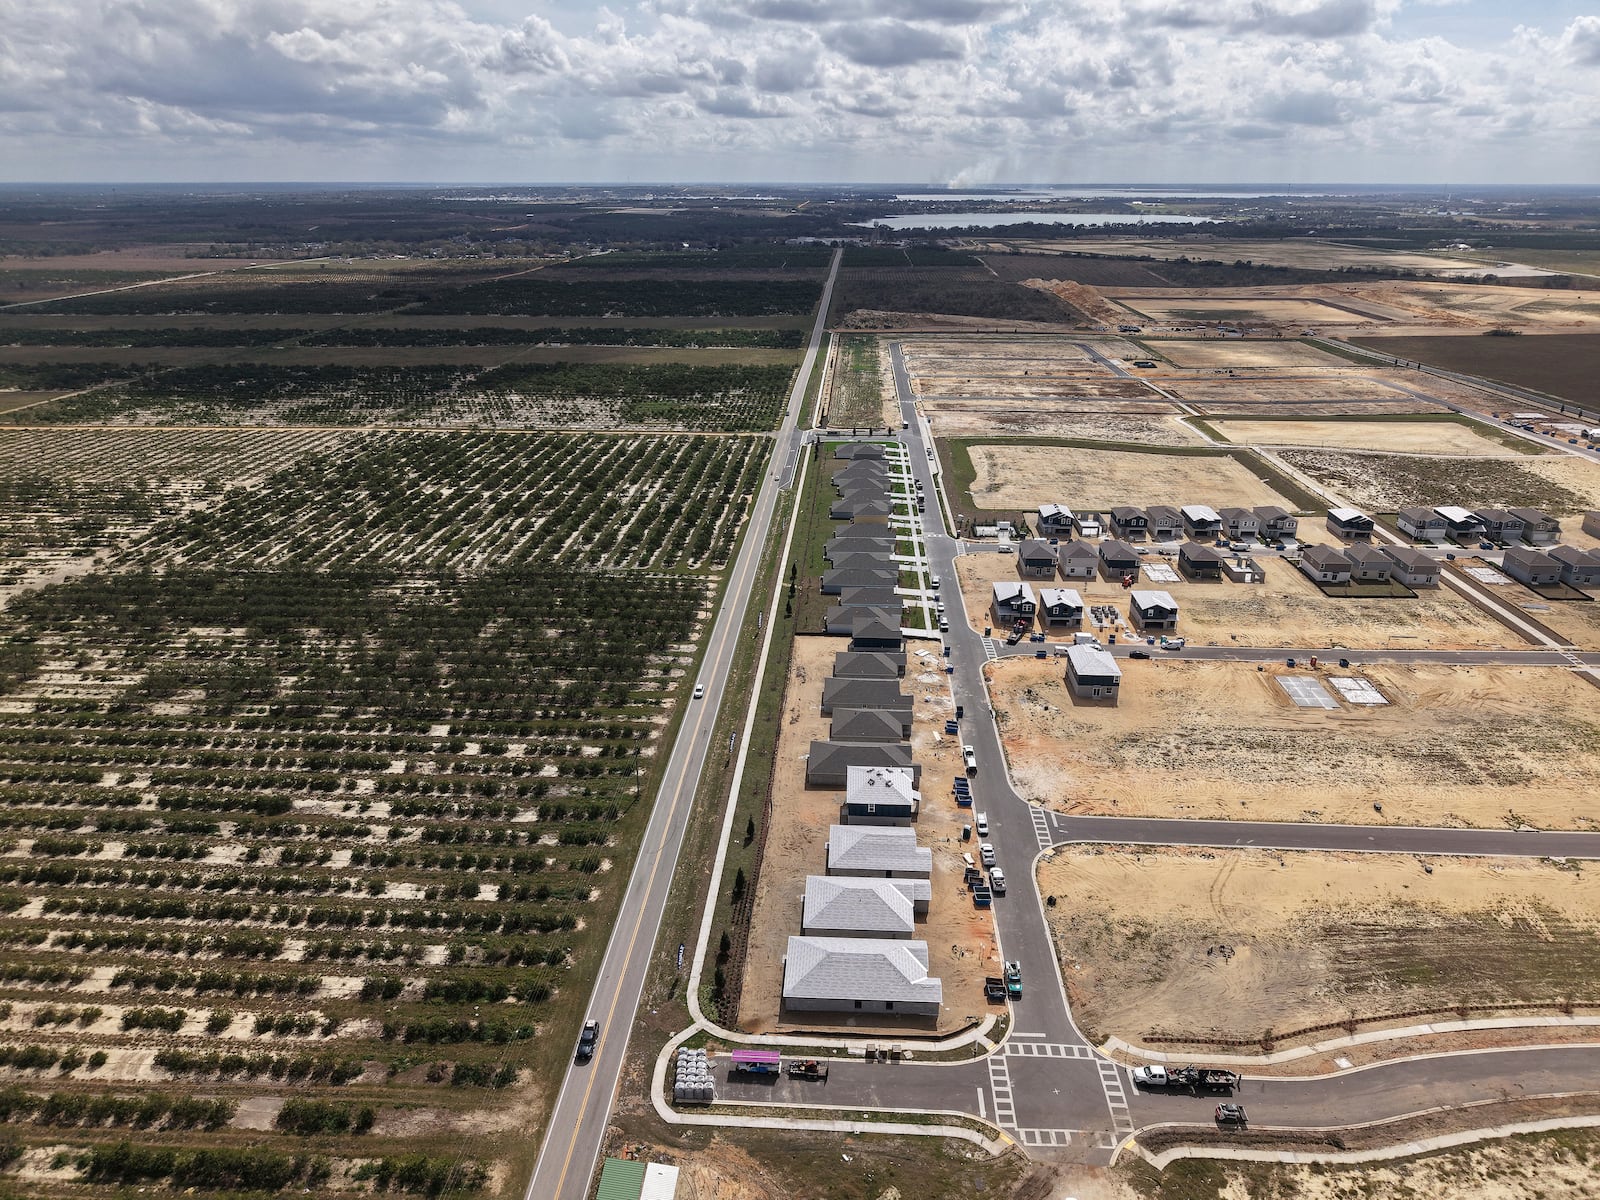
<point x="1443" y="1141"/>
<point x="1115" y="1045"/>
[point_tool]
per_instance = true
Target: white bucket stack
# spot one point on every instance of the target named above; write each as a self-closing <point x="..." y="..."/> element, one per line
<point x="692" y="1082"/>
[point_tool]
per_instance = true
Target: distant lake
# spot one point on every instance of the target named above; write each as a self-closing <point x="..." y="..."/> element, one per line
<point x="1092" y="193"/>
<point x="990" y="220"/>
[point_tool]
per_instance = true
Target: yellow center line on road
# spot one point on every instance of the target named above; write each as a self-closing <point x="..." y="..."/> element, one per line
<point x="677" y="795"/>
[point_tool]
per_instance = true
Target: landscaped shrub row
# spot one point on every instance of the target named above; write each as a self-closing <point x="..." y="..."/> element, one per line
<point x="553" y="335"/>
<point x="36" y="973"/>
<point x="655" y="297"/>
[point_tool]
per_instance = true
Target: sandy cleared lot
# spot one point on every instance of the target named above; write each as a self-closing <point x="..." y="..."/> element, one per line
<point x="1148" y="424"/>
<point x="961" y="945"/>
<point x="1222" y="740"/>
<point x="1042" y="367"/>
<point x="1409" y="437"/>
<point x="1310" y="938"/>
<point x="1481" y="306"/>
<point x="1170" y="308"/>
<point x="1298" y="393"/>
<point x="1297" y="252"/>
<point x="1242" y="353"/>
<point x="1024" y="477"/>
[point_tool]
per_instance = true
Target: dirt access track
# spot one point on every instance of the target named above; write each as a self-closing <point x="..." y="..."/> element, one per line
<point x="1454" y="746"/>
<point x="961" y="943"/>
<point x="1020" y="478"/>
<point x="1229" y="943"/>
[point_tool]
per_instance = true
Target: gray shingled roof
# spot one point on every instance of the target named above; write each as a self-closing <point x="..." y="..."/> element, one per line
<point x="825" y="968"/>
<point x="877" y="848"/>
<point x="852" y="907"/>
<point x="1325" y="558"/>
<point x="866" y="725"/>
<point x="869" y="664"/>
<point x="864" y="693"/>
<point x="828" y="763"/>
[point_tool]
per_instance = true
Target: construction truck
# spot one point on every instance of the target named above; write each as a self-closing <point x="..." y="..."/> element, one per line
<point x="1188" y="1079"/>
<point x="1014" y="980"/>
<point x="1017" y="630"/>
<point x="808" y="1068"/>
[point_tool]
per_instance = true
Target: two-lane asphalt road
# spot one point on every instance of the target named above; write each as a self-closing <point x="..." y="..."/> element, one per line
<point x="583" y="1106"/>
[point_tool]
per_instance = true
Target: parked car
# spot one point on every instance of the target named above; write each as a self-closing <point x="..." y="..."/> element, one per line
<point x="982" y="820"/>
<point x="986" y="853"/>
<point x="997" y="881"/>
<point x="588" y="1039"/>
<point x="1232" y="1114"/>
<point x="970" y="757"/>
<point x="1138" y="654"/>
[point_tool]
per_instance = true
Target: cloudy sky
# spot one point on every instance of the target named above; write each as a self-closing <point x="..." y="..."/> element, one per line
<point x="959" y="92"/>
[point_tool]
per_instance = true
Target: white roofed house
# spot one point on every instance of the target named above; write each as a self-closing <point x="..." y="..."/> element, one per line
<point x="877" y="852"/>
<point x="1054" y="521"/>
<point x="1151" y="611"/>
<point x="1092" y="674"/>
<point x="871" y="908"/>
<point x="1350" y="524"/>
<point x="1201" y="522"/>
<point x="880" y="796"/>
<point x="1060" y="606"/>
<point x="1461" y="525"/>
<point x="876" y="975"/>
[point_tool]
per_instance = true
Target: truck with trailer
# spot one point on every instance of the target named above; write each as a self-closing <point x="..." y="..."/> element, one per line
<point x="1013" y="979"/>
<point x="1189" y="1079"/>
<point x="755" y="1062"/>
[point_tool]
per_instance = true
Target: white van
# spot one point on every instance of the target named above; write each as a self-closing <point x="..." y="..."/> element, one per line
<point x="981" y="821"/>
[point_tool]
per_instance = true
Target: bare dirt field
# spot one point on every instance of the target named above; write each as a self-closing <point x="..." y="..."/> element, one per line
<point x="1299" y="394"/>
<point x="1411" y="437"/>
<point x="1223" y="740"/>
<point x="1241" y="352"/>
<point x="961" y="945"/>
<point x="1228" y="944"/>
<point x="1038" y="367"/>
<point x="1479" y="305"/>
<point x="1561" y="485"/>
<point x="1290" y="252"/>
<point x="1010" y="478"/>
<point x="1144" y="424"/>
<point x="1176" y="308"/>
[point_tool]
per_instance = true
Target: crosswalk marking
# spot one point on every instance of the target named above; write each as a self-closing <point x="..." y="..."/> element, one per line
<point x="1045" y="1137"/>
<point x="1047" y="1050"/>
<point x="1041" y="827"/>
<point x="1116" y="1096"/>
<point x="1005" y="1111"/>
<point x="990" y="653"/>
